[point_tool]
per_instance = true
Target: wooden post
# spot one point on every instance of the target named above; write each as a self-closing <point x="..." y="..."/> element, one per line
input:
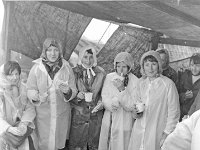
<point x="6" y="52"/>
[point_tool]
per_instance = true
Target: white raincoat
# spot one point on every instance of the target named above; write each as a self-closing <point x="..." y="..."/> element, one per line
<point x="117" y="125"/>
<point x="186" y="135"/>
<point x="13" y="108"/>
<point x="53" y="110"/>
<point x="161" y="112"/>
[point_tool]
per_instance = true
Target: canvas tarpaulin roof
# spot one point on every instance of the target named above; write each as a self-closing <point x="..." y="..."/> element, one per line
<point x="133" y="40"/>
<point x="31" y="22"/>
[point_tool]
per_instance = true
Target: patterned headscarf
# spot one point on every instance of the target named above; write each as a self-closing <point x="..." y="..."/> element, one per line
<point x="81" y="55"/>
<point x="52" y="67"/>
<point x="48" y="43"/>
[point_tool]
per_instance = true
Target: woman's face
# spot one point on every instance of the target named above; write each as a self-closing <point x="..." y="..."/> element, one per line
<point x="87" y="60"/>
<point x="122" y="68"/>
<point x="52" y="53"/>
<point x="150" y="68"/>
<point x="13" y="77"/>
<point x="195" y="68"/>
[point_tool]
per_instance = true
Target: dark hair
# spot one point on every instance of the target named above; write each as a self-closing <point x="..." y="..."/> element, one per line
<point x="89" y="51"/>
<point x="195" y="58"/>
<point x="10" y="66"/>
<point x="150" y="58"/>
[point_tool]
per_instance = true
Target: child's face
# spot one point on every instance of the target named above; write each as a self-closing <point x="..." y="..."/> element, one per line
<point x="13" y="77"/>
<point x="87" y="60"/>
<point x="52" y="53"/>
<point x="122" y="68"/>
<point x="150" y="68"/>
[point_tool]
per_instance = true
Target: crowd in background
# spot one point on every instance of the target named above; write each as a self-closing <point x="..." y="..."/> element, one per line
<point x="83" y="108"/>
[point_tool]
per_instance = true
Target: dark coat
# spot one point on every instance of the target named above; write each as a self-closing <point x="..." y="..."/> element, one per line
<point x="184" y="85"/>
<point x="85" y="127"/>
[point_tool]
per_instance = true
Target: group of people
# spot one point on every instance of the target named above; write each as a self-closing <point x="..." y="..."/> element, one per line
<point x="85" y="109"/>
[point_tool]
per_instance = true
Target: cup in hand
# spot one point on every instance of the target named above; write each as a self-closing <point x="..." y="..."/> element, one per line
<point x="140" y="107"/>
<point x="88" y="96"/>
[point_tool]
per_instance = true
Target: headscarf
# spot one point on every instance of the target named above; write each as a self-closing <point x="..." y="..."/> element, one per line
<point x="81" y="55"/>
<point x="51" y="42"/>
<point x="157" y="57"/>
<point x="52" y="67"/>
<point x="126" y="58"/>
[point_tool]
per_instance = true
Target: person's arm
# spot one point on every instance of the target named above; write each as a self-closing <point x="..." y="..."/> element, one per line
<point x="194" y="105"/>
<point x="4" y="125"/>
<point x="73" y="90"/>
<point x="32" y="88"/>
<point x="29" y="113"/>
<point x="173" y="107"/>
<point x="185" y="136"/>
<point x="129" y="95"/>
<point x="109" y="97"/>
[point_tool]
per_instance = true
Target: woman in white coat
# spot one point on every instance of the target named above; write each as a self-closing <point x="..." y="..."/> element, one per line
<point x="51" y="86"/>
<point x="161" y="114"/>
<point x="16" y="112"/>
<point x="118" y="97"/>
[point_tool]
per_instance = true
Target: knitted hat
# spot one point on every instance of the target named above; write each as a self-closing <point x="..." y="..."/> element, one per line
<point x="157" y="57"/>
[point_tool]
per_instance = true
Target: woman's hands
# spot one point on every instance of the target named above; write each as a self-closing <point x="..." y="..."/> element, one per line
<point x="20" y="130"/>
<point x="119" y="84"/>
<point x="64" y="87"/>
<point x="14" y="130"/>
<point x="136" y="115"/>
<point x="188" y="94"/>
<point x="81" y="95"/>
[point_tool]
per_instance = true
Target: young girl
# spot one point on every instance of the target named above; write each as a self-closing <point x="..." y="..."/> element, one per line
<point x="16" y="113"/>
<point x="118" y="97"/>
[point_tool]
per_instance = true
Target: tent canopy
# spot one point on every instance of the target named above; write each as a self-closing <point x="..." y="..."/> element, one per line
<point x="28" y="23"/>
<point x="179" y="19"/>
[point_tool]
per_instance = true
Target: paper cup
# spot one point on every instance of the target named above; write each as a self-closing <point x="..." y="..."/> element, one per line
<point x="140" y="107"/>
<point x="88" y="97"/>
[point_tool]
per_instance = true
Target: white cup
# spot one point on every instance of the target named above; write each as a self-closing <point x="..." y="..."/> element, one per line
<point x="88" y="96"/>
<point x="140" y="107"/>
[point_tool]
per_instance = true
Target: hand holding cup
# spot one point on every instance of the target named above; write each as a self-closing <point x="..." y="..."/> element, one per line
<point x="140" y="107"/>
<point x="64" y="87"/>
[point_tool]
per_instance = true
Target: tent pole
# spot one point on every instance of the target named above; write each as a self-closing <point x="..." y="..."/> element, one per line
<point x="6" y="51"/>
